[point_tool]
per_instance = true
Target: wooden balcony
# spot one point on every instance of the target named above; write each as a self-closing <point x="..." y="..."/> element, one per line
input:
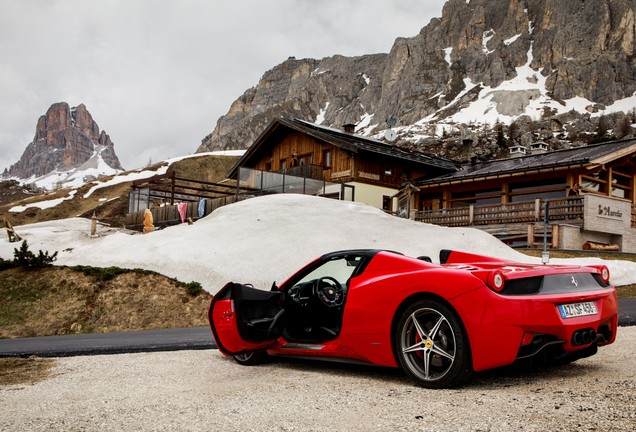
<point x="524" y="212"/>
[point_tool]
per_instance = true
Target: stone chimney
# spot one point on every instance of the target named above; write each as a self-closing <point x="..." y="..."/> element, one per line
<point x="538" y="148"/>
<point x="349" y="128"/>
<point x="517" y="151"/>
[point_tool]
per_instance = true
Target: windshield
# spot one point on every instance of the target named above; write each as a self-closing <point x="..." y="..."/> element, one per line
<point x="340" y="269"/>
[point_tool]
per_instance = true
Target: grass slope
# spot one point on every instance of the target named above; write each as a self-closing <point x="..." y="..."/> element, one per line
<point x="110" y="203"/>
<point x="62" y="300"/>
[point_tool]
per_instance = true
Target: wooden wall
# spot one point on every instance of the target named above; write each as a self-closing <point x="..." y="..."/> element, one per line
<point x="344" y="167"/>
<point x="301" y="144"/>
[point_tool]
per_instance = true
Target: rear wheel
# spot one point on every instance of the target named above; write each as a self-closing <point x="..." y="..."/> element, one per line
<point x="251" y="359"/>
<point x="432" y="346"/>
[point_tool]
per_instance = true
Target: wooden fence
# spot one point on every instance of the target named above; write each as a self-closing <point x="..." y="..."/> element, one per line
<point x="529" y="235"/>
<point x="169" y="215"/>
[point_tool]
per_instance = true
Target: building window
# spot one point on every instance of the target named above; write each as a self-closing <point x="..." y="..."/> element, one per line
<point x="283" y="164"/>
<point x="387" y="203"/>
<point x="595" y="182"/>
<point x="544" y="189"/>
<point x="304" y="160"/>
<point x="326" y="158"/>
<point x="621" y="184"/>
<point x="477" y="197"/>
<point x="388" y="170"/>
<point x="268" y="166"/>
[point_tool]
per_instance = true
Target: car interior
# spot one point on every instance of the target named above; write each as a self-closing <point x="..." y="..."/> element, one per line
<point x="314" y="302"/>
<point x="308" y="308"/>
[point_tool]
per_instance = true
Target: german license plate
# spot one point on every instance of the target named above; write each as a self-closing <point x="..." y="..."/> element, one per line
<point x="573" y="310"/>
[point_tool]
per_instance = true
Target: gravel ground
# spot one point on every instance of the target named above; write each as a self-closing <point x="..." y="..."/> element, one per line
<point x="203" y="390"/>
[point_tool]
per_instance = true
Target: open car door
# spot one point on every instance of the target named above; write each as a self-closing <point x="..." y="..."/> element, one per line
<point x="244" y="319"/>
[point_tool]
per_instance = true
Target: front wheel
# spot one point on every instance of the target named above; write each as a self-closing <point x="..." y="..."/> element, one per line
<point x="432" y="346"/>
<point x="251" y="359"/>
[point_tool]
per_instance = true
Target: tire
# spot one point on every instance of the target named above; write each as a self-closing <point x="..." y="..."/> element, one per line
<point x="432" y="345"/>
<point x="252" y="359"/>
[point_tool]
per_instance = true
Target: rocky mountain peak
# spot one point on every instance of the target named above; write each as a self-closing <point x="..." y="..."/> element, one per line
<point x="484" y="62"/>
<point x="65" y="140"/>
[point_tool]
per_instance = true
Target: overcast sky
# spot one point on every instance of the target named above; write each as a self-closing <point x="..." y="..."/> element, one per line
<point x="156" y="75"/>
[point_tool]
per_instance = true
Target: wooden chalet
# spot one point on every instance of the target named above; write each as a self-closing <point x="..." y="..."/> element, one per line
<point x="375" y="169"/>
<point x="507" y="197"/>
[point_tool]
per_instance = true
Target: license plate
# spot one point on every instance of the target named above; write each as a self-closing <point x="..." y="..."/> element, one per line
<point x="573" y="310"/>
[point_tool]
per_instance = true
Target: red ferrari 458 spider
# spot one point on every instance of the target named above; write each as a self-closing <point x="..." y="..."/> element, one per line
<point x="440" y="323"/>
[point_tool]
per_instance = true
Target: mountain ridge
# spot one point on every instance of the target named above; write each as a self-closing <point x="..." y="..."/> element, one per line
<point x="483" y="61"/>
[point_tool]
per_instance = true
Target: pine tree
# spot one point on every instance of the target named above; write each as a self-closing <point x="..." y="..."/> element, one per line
<point x="501" y="139"/>
<point x="602" y="128"/>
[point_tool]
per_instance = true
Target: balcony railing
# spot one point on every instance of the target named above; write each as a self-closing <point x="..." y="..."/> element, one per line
<point x="258" y="182"/>
<point x="306" y="171"/>
<point x="530" y="211"/>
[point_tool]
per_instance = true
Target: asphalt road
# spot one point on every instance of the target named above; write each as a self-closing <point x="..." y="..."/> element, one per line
<point x="193" y="338"/>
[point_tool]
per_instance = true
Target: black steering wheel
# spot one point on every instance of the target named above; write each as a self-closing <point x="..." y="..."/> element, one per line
<point x="329" y="291"/>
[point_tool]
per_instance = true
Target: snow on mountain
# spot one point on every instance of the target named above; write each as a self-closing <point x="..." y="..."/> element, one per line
<point x="93" y="168"/>
<point x="265" y="239"/>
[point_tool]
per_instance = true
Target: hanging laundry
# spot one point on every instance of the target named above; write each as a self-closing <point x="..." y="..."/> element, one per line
<point x="182" y="211"/>
<point x="201" y="208"/>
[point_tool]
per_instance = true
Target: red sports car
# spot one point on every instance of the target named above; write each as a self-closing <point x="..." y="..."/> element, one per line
<point x="440" y="323"/>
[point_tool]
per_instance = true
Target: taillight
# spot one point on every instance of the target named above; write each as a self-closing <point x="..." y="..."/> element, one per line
<point x="496" y="280"/>
<point x="605" y="274"/>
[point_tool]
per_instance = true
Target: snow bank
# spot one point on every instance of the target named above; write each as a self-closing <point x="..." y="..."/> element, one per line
<point x="262" y="240"/>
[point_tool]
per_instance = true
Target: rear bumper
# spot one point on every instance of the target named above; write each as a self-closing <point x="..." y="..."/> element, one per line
<point x="497" y="326"/>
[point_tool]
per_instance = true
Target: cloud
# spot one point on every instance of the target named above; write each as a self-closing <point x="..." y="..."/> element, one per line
<point x="156" y="75"/>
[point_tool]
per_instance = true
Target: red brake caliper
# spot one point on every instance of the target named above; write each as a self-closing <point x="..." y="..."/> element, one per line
<point x="418" y="339"/>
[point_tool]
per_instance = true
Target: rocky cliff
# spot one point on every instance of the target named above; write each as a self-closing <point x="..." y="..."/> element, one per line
<point x="66" y="139"/>
<point x="483" y="62"/>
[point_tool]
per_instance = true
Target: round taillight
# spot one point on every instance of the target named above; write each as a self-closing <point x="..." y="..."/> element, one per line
<point x="496" y="280"/>
<point x="605" y="274"/>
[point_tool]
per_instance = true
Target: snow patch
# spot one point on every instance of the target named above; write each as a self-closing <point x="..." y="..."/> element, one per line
<point x="447" y="55"/>
<point x="485" y="39"/>
<point x="43" y="205"/>
<point x="365" y="120"/>
<point x="320" y="118"/>
<point x="213" y="251"/>
<point x="511" y="40"/>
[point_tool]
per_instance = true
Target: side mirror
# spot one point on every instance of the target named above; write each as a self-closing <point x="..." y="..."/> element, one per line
<point x="274" y="287"/>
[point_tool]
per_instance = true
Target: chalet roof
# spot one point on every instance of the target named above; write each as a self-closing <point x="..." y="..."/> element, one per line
<point x="355" y="144"/>
<point x="588" y="156"/>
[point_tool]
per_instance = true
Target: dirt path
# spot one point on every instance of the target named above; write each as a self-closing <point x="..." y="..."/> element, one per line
<point x="202" y="390"/>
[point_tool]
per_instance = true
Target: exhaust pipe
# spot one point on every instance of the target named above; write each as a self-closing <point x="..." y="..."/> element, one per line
<point x="583" y="337"/>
